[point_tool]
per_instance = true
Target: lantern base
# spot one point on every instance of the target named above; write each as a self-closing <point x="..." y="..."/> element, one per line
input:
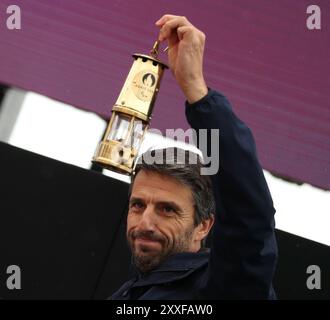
<point x="114" y="156"/>
<point x="108" y="164"/>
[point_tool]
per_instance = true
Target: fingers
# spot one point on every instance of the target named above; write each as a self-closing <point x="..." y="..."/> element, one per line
<point x="185" y="30"/>
<point x="169" y="24"/>
<point x="164" y="19"/>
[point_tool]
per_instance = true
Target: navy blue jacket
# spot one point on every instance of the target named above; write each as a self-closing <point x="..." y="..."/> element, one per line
<point x="241" y="261"/>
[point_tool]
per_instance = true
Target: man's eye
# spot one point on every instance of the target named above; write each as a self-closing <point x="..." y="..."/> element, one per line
<point x="168" y="210"/>
<point x="137" y="205"/>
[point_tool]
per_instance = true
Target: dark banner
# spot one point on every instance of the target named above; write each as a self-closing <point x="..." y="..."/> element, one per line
<point x="62" y="236"/>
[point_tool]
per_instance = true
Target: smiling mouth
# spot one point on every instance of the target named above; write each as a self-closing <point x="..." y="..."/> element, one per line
<point x="146" y="241"/>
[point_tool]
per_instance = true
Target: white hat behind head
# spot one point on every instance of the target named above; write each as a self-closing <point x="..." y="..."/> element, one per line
<point x="154" y="140"/>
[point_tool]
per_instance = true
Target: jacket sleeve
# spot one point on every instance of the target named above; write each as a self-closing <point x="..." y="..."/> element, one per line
<point x="243" y="245"/>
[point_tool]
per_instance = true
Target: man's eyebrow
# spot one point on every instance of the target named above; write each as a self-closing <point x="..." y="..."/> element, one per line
<point x="172" y="204"/>
<point x="134" y="199"/>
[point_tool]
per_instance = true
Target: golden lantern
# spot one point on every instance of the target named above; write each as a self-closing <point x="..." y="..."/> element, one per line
<point x="131" y="114"/>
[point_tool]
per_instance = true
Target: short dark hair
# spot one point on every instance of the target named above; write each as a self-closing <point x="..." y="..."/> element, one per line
<point x="184" y="166"/>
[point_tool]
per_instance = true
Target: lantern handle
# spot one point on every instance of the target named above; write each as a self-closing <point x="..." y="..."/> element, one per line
<point x="155" y="49"/>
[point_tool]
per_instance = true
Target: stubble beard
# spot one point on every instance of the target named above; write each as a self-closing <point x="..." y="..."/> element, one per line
<point x="146" y="260"/>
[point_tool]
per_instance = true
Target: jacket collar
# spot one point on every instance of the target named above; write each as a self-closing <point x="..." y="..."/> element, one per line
<point x="175" y="267"/>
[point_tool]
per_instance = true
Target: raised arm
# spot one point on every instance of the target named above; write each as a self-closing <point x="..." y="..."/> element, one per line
<point x="244" y="251"/>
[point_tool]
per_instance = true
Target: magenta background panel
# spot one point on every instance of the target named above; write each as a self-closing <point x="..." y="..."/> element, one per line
<point x="259" y="53"/>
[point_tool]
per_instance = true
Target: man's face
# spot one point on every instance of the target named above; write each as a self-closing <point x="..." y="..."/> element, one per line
<point x="160" y="219"/>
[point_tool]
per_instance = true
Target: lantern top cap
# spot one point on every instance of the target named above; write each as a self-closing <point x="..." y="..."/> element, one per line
<point x="139" y="55"/>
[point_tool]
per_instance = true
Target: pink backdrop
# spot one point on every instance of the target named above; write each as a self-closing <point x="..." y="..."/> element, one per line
<point x="259" y="53"/>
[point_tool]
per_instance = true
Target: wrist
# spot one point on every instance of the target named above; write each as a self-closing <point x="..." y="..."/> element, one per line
<point x="195" y="91"/>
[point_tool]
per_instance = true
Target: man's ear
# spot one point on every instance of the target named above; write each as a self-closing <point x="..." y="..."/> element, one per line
<point x="203" y="229"/>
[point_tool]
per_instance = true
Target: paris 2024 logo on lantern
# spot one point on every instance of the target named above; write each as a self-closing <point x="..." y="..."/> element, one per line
<point x="144" y="85"/>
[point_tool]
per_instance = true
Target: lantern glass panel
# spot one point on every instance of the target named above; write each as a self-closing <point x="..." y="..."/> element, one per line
<point x="119" y="128"/>
<point x="138" y="129"/>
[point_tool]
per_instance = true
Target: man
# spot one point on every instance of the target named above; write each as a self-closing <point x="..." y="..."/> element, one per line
<point x="172" y="208"/>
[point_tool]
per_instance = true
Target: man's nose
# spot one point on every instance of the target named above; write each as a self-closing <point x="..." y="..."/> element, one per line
<point x="148" y="219"/>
